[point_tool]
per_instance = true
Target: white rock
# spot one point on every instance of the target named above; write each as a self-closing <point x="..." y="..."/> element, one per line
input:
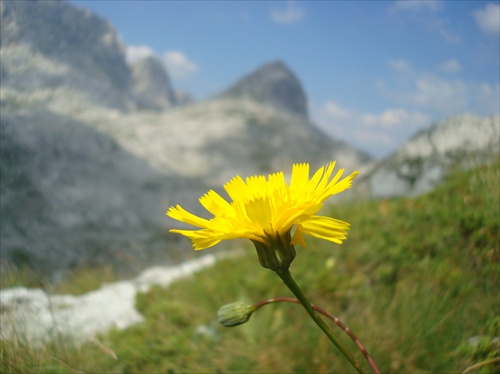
<point x="33" y="316"/>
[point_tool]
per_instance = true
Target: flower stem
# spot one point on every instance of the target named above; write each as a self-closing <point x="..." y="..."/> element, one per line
<point x="323" y="312"/>
<point x="286" y="277"/>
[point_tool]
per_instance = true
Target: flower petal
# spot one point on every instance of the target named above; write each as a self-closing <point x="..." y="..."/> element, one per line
<point x="259" y="211"/>
<point x="236" y="188"/>
<point x="299" y="178"/>
<point x="216" y="205"/>
<point x="344" y="184"/>
<point x="180" y="214"/>
<point x="326" y="176"/>
<point x="257" y="187"/>
<point x="201" y="238"/>
<point x="298" y="237"/>
<point x="326" y="228"/>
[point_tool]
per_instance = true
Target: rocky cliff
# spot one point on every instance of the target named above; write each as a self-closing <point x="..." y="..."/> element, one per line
<point x="53" y="44"/>
<point x="52" y="48"/>
<point x="71" y="196"/>
<point x="151" y="85"/>
<point x="422" y="162"/>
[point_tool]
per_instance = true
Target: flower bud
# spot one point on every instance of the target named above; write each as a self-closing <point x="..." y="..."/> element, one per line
<point x="234" y="314"/>
<point x="277" y="252"/>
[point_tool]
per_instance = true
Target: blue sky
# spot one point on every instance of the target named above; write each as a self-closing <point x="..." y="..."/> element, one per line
<point x="375" y="72"/>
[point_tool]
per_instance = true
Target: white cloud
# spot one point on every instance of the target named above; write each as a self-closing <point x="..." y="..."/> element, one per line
<point x="440" y="95"/>
<point x="448" y="36"/>
<point x="485" y="98"/>
<point x="488" y="18"/>
<point x="291" y="14"/>
<point x="400" y="66"/>
<point x="179" y="66"/>
<point x="138" y="52"/>
<point x="426" y="91"/>
<point x="336" y="111"/>
<point x="395" y="117"/>
<point x="415" y="99"/>
<point x="426" y="14"/>
<point x="378" y="133"/>
<point x="451" y="66"/>
<point x="375" y="137"/>
<point x="369" y="120"/>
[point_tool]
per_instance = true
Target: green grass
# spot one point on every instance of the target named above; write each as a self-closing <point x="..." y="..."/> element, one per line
<point x="78" y="282"/>
<point x="416" y="280"/>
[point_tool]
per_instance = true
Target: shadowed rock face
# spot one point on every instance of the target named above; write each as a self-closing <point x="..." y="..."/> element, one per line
<point x="70" y="34"/>
<point x="151" y="85"/>
<point x="52" y="48"/>
<point x="275" y="85"/>
<point x="71" y="196"/>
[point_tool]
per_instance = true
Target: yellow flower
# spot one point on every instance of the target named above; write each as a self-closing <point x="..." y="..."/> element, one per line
<point x="265" y="211"/>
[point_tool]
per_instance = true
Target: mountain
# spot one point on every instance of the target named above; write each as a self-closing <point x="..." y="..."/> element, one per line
<point x="71" y="196"/>
<point x="94" y="151"/>
<point x="52" y="48"/>
<point x="151" y="85"/>
<point x="274" y="85"/>
<point x="72" y="48"/>
<point x="422" y="162"/>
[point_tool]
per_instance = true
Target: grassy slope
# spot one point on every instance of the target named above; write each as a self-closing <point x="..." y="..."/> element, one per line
<point x="415" y="280"/>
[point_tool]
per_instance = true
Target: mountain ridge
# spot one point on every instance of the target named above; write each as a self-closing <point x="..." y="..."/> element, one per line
<point x="424" y="159"/>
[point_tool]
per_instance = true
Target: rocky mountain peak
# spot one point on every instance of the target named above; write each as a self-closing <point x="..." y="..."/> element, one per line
<point x="275" y="85"/>
<point x="151" y="84"/>
<point x="69" y="34"/>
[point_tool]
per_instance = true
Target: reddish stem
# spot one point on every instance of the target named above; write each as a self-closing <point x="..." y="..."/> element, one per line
<point x="331" y="317"/>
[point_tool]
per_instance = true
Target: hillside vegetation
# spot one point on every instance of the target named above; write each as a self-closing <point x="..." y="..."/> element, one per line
<point x="417" y="281"/>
